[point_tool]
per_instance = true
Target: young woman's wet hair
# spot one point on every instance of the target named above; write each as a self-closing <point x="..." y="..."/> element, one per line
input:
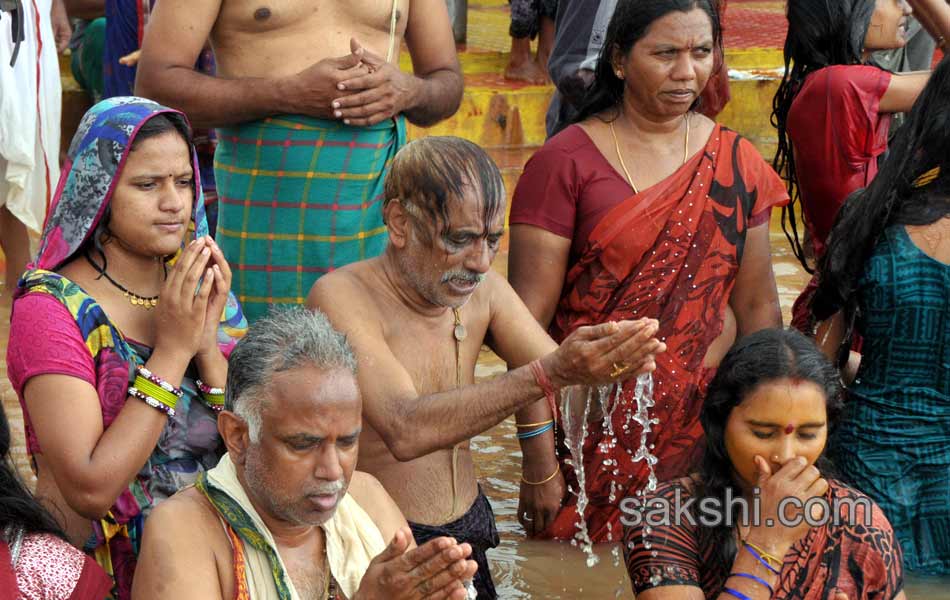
<point x="911" y="188"/>
<point x="630" y="23"/>
<point x="18" y="507"/>
<point x="756" y="359"/>
<point x="821" y="33"/>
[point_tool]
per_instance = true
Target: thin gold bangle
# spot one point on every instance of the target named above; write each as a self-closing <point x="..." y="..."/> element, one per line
<point x="763" y="553"/>
<point x="526" y="425"/>
<point x="545" y="480"/>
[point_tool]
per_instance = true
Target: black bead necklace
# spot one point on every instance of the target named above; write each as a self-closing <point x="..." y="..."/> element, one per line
<point x="146" y="302"/>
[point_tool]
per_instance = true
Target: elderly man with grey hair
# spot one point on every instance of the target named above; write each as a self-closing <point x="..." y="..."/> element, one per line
<point x="285" y="514"/>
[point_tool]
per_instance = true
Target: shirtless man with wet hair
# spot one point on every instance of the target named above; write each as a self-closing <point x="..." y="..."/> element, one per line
<point x="310" y="106"/>
<point x="417" y="317"/>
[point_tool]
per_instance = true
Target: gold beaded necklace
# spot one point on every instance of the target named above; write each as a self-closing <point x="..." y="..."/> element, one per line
<point x="146" y="302"/>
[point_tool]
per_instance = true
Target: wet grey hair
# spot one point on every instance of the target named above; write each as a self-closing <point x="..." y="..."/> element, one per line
<point x="429" y="173"/>
<point x="283" y="339"/>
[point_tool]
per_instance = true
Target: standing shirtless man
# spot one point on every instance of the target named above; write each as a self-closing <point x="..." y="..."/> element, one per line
<point x="417" y="317"/>
<point x="311" y="106"/>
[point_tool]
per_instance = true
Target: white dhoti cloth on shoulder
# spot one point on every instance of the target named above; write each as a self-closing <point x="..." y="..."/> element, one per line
<point x="353" y="539"/>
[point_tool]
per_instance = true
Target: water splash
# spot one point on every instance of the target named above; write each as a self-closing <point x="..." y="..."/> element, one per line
<point x="643" y="393"/>
<point x="575" y="409"/>
<point x="576" y="405"/>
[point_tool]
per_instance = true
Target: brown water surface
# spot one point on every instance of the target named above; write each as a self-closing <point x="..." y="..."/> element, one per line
<point x="521" y="568"/>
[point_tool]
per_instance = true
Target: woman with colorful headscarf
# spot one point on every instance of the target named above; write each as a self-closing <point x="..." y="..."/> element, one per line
<point x="119" y="331"/>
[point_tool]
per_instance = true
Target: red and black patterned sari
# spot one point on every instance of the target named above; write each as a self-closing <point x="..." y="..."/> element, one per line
<point x="670" y="253"/>
<point x="856" y="554"/>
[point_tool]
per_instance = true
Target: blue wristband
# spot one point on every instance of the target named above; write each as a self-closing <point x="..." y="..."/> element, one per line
<point x="735" y="594"/>
<point x="755" y="578"/>
<point x="530" y="434"/>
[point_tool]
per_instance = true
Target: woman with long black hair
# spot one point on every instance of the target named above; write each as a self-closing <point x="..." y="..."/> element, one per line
<point x="35" y="558"/>
<point x="886" y="276"/>
<point x="833" y="108"/>
<point x="766" y="418"/>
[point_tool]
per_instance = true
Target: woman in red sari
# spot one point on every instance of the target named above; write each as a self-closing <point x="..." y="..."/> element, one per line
<point x="833" y="109"/>
<point x="645" y="208"/>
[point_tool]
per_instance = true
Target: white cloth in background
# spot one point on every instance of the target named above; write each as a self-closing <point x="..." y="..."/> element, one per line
<point x="29" y="115"/>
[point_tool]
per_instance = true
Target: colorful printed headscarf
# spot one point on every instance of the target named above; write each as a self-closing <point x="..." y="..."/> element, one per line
<point x="96" y="157"/>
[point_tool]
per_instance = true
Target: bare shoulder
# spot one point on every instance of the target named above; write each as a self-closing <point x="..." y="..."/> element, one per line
<point x="185" y="516"/>
<point x="185" y="552"/>
<point x="498" y="292"/>
<point x="373" y="498"/>
<point x="348" y="285"/>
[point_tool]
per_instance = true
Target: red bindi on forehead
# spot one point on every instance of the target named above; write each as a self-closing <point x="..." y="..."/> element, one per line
<point x="789" y="428"/>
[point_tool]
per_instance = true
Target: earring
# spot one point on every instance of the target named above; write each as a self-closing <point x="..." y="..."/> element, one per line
<point x="619" y="74"/>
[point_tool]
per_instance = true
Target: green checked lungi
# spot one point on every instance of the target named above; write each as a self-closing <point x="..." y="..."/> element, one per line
<point x="299" y="197"/>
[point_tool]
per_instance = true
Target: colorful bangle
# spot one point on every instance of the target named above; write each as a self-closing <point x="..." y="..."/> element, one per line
<point x="154" y="403"/>
<point x="204" y="388"/>
<point x="157" y="392"/>
<point x="526" y="425"/>
<point x="212" y="396"/>
<point x="159" y="381"/>
<point x="735" y="593"/>
<point x="545" y="480"/>
<point x="541" y="378"/>
<point x="759" y="558"/>
<point x="523" y="435"/>
<point x="214" y="401"/>
<point x="755" y="578"/>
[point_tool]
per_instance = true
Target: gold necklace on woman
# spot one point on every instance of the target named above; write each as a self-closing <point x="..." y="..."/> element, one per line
<point x="623" y="165"/>
<point x="146" y="302"/>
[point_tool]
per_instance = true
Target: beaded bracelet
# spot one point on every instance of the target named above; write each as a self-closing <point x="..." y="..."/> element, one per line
<point x="755" y="578"/>
<point x="204" y="388"/>
<point x="759" y="558"/>
<point x="545" y="480"/>
<point x="154" y="403"/>
<point x="159" y="381"/>
<point x="213" y="397"/>
<point x="735" y="593"/>
<point x="523" y="435"/>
